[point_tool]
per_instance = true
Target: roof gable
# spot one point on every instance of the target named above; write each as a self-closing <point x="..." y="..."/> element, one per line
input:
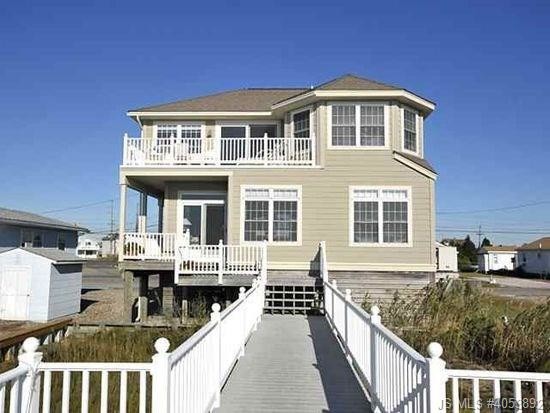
<point x="539" y="244"/>
<point x="353" y="82"/>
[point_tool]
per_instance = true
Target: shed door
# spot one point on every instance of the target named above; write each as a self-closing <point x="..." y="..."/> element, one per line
<point x="15" y="291"/>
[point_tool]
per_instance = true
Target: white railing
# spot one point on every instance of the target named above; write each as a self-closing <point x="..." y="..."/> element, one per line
<point x="189" y="379"/>
<point x="232" y="151"/>
<point x="149" y="246"/>
<point x="196" y="371"/>
<point x="220" y="260"/>
<point x="394" y="374"/>
<point x="502" y="391"/>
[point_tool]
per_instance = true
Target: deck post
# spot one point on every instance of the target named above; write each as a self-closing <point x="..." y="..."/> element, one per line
<point x="122" y="221"/>
<point x="216" y="318"/>
<point x="160" y="371"/>
<point x="333" y="324"/>
<point x="346" y="323"/>
<point x="258" y="307"/>
<point x="220" y="262"/>
<point x="436" y="378"/>
<point x="375" y="320"/>
<point x="241" y="298"/>
<point x="30" y="392"/>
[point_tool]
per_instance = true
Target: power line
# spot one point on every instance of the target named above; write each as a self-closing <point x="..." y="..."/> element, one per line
<point x="77" y="206"/>
<point x="507" y="208"/>
<point x="485" y="231"/>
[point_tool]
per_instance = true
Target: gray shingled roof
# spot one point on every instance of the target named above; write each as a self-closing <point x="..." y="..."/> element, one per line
<point x="244" y="100"/>
<point x="15" y="217"/>
<point x="539" y="244"/>
<point x="417" y="160"/>
<point x="55" y="255"/>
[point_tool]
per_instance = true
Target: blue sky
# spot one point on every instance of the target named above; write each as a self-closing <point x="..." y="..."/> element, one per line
<point x="70" y="70"/>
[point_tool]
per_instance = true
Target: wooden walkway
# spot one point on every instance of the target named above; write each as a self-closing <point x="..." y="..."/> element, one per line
<point x="293" y="364"/>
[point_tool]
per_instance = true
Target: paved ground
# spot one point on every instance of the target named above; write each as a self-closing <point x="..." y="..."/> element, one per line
<point x="100" y="275"/>
<point x="293" y="364"/>
<point x="515" y="286"/>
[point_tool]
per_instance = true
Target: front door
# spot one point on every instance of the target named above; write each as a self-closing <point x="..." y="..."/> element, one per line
<point x="233" y="143"/>
<point x="205" y="221"/>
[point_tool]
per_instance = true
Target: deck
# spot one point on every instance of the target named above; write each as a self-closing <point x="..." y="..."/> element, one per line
<point x="291" y="364"/>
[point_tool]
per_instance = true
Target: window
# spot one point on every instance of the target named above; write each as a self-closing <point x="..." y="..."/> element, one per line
<point x="37" y="240"/>
<point x="26" y="238"/>
<point x="271" y="214"/>
<point x="301" y="124"/>
<point x="61" y="242"/>
<point x="182" y="131"/>
<point x="361" y="124"/>
<point x="379" y="216"/>
<point x="410" y="131"/>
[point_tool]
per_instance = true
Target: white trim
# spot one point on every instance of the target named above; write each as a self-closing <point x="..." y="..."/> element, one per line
<point x="270" y="241"/>
<point x="205" y="114"/>
<point x="357" y="145"/>
<point x="417" y="153"/>
<point x="380" y="201"/>
<point x="413" y="165"/>
<point x="399" y="93"/>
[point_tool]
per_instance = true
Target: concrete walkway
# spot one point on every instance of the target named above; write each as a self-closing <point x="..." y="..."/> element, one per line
<point x="293" y="364"/>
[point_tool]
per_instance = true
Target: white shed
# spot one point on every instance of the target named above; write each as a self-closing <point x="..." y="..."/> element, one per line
<point x="39" y="284"/>
<point x="447" y="258"/>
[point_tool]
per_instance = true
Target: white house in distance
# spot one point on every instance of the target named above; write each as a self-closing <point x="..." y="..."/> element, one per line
<point x="89" y="246"/>
<point x="498" y="257"/>
<point x="534" y="258"/>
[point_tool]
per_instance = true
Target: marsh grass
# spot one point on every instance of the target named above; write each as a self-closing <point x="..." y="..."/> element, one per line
<point x="475" y="328"/>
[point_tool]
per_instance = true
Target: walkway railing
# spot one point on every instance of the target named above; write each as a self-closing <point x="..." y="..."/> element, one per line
<point x="226" y="151"/>
<point x="399" y="379"/>
<point x="189" y="379"/>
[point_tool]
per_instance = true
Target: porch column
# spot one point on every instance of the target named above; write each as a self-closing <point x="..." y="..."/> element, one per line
<point x="122" y="221"/>
<point x="161" y="213"/>
<point x="142" y="213"/>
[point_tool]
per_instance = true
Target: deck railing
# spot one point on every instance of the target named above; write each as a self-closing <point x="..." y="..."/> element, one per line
<point x="226" y="151"/>
<point x="148" y="246"/>
<point x="220" y="260"/>
<point x="189" y="379"/>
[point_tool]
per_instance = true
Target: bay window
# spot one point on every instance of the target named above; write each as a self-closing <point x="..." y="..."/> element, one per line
<point x="410" y="131"/>
<point x="379" y="216"/>
<point x="271" y="214"/>
<point x="358" y="125"/>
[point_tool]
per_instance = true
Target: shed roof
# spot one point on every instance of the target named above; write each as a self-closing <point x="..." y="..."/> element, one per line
<point x="497" y="248"/>
<point x="16" y="217"/>
<point x="53" y="254"/>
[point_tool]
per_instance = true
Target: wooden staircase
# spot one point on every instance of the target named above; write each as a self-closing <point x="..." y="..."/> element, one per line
<point x="380" y="286"/>
<point x="293" y="292"/>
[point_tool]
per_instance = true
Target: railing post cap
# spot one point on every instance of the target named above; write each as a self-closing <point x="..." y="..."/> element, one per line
<point x="162" y="345"/>
<point x="334" y="283"/>
<point x="435" y="350"/>
<point x="30" y="345"/>
<point x="374" y="310"/>
<point x="348" y="291"/>
<point x="216" y="307"/>
<point x="242" y="290"/>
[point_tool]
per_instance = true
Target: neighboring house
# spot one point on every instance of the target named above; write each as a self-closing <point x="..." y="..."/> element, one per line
<point x="447" y="258"/>
<point x="498" y="257"/>
<point x="109" y="245"/>
<point x="39" y="284"/>
<point x="25" y="229"/>
<point x="534" y="257"/>
<point x="89" y="246"/>
<point x="342" y="162"/>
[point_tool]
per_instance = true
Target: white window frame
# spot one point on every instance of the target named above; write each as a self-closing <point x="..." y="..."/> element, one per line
<point x="357" y="145"/>
<point x="271" y="200"/>
<point x="303" y="109"/>
<point x="380" y="243"/>
<point x="179" y="125"/>
<point x="418" y="137"/>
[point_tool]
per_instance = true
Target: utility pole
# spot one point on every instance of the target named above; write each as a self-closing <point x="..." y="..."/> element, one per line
<point x="111" y="235"/>
<point x="479" y="237"/>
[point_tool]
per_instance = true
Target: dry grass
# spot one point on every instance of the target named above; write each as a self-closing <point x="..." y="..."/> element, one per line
<point x="475" y="328"/>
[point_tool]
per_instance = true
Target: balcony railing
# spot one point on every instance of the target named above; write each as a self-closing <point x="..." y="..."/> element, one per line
<point x="192" y="152"/>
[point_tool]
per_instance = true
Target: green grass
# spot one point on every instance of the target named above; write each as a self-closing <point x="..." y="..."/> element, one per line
<point x="475" y="328"/>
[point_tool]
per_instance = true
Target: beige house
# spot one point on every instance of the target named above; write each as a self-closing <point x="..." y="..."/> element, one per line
<point x="342" y="162"/>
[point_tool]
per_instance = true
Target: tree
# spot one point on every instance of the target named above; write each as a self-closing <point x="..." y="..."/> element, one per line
<point x="486" y="242"/>
<point x="468" y="250"/>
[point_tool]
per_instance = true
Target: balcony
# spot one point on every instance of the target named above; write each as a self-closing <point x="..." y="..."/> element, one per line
<point x="264" y="151"/>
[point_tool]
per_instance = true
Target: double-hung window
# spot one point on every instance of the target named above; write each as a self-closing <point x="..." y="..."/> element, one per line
<point x="186" y="131"/>
<point x="271" y="214"/>
<point x="379" y="216"/>
<point x="410" y="131"/>
<point x="300" y="123"/>
<point x="358" y="125"/>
